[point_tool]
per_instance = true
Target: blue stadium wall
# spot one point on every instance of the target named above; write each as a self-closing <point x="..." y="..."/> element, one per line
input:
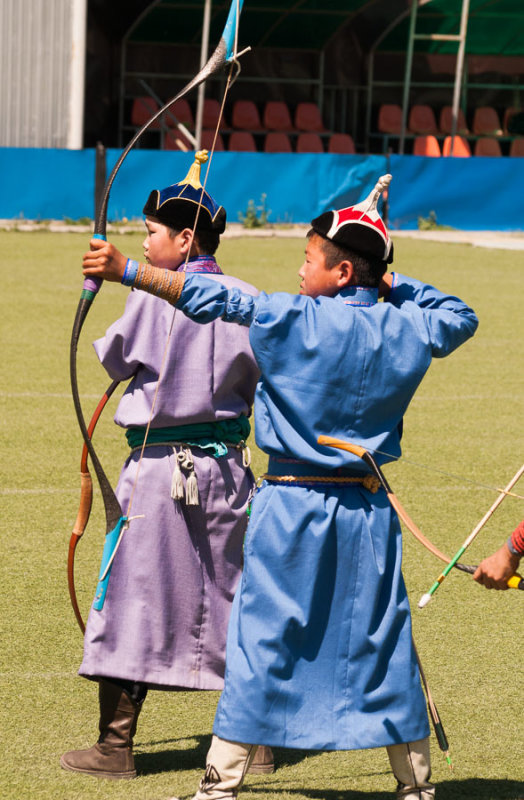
<point x="464" y="193"/>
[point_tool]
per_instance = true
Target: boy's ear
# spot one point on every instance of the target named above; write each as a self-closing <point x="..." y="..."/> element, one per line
<point x="345" y="274"/>
<point x="186" y="235"/>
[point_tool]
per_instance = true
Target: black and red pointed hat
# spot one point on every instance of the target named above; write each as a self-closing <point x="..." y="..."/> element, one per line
<point x="359" y="228"/>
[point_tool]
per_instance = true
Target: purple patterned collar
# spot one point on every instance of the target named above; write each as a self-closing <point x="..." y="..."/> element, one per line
<point x="201" y="264"/>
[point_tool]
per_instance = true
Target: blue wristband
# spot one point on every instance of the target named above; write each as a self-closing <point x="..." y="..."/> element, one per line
<point x="512" y="549"/>
<point x="130" y="272"/>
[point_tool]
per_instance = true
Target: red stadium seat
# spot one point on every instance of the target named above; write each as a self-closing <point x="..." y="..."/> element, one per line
<point x="309" y="143"/>
<point x="446" y="119"/>
<point x="308" y="118"/>
<point x="242" y="141"/>
<point x="461" y="148"/>
<point x="486" y="122"/>
<point x="207" y="140"/>
<point x="517" y="148"/>
<point x="341" y="143"/>
<point x="245" y="116"/>
<point x="422" y="120"/>
<point x="277" y="116"/>
<point x="182" y="111"/>
<point x="142" y="110"/>
<point x="277" y="143"/>
<point x="211" y="114"/>
<point x="390" y="118"/>
<point x="426" y="146"/>
<point x="175" y="140"/>
<point x="487" y="147"/>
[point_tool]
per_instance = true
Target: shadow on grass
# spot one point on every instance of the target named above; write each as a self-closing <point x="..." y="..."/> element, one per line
<point x="469" y="789"/>
<point x="172" y="758"/>
<point x="193" y="758"/>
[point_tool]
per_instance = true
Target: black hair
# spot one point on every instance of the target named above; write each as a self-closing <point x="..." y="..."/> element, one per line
<point x="368" y="272"/>
<point x="206" y="242"/>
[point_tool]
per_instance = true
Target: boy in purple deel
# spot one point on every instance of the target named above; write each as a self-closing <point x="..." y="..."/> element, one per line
<point x="164" y="618"/>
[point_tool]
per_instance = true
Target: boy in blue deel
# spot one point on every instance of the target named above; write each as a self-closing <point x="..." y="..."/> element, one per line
<point x="319" y="652"/>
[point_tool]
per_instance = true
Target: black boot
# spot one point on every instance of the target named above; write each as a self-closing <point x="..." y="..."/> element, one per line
<point x="112" y="755"/>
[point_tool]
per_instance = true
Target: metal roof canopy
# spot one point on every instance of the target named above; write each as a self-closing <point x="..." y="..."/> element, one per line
<point x="494" y="27"/>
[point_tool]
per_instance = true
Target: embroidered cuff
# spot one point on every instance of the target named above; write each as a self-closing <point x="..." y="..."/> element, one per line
<point x="163" y="283"/>
<point x="512" y="549"/>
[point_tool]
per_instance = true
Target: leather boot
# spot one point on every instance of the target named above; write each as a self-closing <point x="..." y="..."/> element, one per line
<point x="411" y="767"/>
<point x="263" y="762"/>
<point x="226" y="766"/>
<point x="112" y="755"/>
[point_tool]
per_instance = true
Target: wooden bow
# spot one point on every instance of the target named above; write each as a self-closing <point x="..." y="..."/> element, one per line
<point x="86" y="500"/>
<point x="515" y="582"/>
<point x="366" y="456"/>
<point x="115" y="519"/>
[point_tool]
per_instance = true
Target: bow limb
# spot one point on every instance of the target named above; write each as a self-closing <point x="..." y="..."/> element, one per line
<point x="86" y="500"/>
<point x="225" y="52"/>
<point x="364" y="454"/>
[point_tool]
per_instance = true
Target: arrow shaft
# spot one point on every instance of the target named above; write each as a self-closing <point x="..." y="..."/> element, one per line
<point x="515" y="579"/>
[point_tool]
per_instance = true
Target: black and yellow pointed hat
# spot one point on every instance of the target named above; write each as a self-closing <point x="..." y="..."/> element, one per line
<point x="177" y="205"/>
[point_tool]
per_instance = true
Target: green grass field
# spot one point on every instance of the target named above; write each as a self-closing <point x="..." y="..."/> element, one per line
<point x="466" y="421"/>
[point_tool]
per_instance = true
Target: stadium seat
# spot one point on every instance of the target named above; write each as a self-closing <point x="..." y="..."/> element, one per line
<point x="242" y="141"/>
<point x="446" y="120"/>
<point x="461" y="148"/>
<point x="486" y="122"/>
<point x="211" y="114"/>
<point x="207" y="140"/>
<point x="309" y="143"/>
<point x="173" y="139"/>
<point x="341" y="143"/>
<point x="308" y="118"/>
<point x="142" y="110"/>
<point x="245" y="116"/>
<point x="426" y="146"/>
<point x="181" y="110"/>
<point x="277" y="142"/>
<point x="487" y="147"/>
<point x="389" y="118"/>
<point x="422" y="120"/>
<point x="277" y="116"/>
<point x="517" y="148"/>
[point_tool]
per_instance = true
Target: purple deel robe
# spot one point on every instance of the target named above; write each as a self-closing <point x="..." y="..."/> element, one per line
<point x="167" y="607"/>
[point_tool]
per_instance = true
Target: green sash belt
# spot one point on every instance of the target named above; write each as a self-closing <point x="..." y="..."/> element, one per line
<point x="215" y="436"/>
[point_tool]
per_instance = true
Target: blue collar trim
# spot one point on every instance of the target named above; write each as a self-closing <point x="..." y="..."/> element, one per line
<point x="359" y="296"/>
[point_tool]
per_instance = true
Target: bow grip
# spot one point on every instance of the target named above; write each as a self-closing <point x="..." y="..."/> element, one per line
<point x="92" y="285"/>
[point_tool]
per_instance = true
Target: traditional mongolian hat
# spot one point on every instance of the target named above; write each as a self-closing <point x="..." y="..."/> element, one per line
<point x="359" y="228"/>
<point x="178" y="205"/>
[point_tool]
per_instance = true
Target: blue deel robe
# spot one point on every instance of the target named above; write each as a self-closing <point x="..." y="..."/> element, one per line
<point x="319" y="651"/>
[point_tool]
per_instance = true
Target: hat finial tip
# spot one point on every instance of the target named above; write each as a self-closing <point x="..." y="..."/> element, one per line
<point x="193" y="176"/>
